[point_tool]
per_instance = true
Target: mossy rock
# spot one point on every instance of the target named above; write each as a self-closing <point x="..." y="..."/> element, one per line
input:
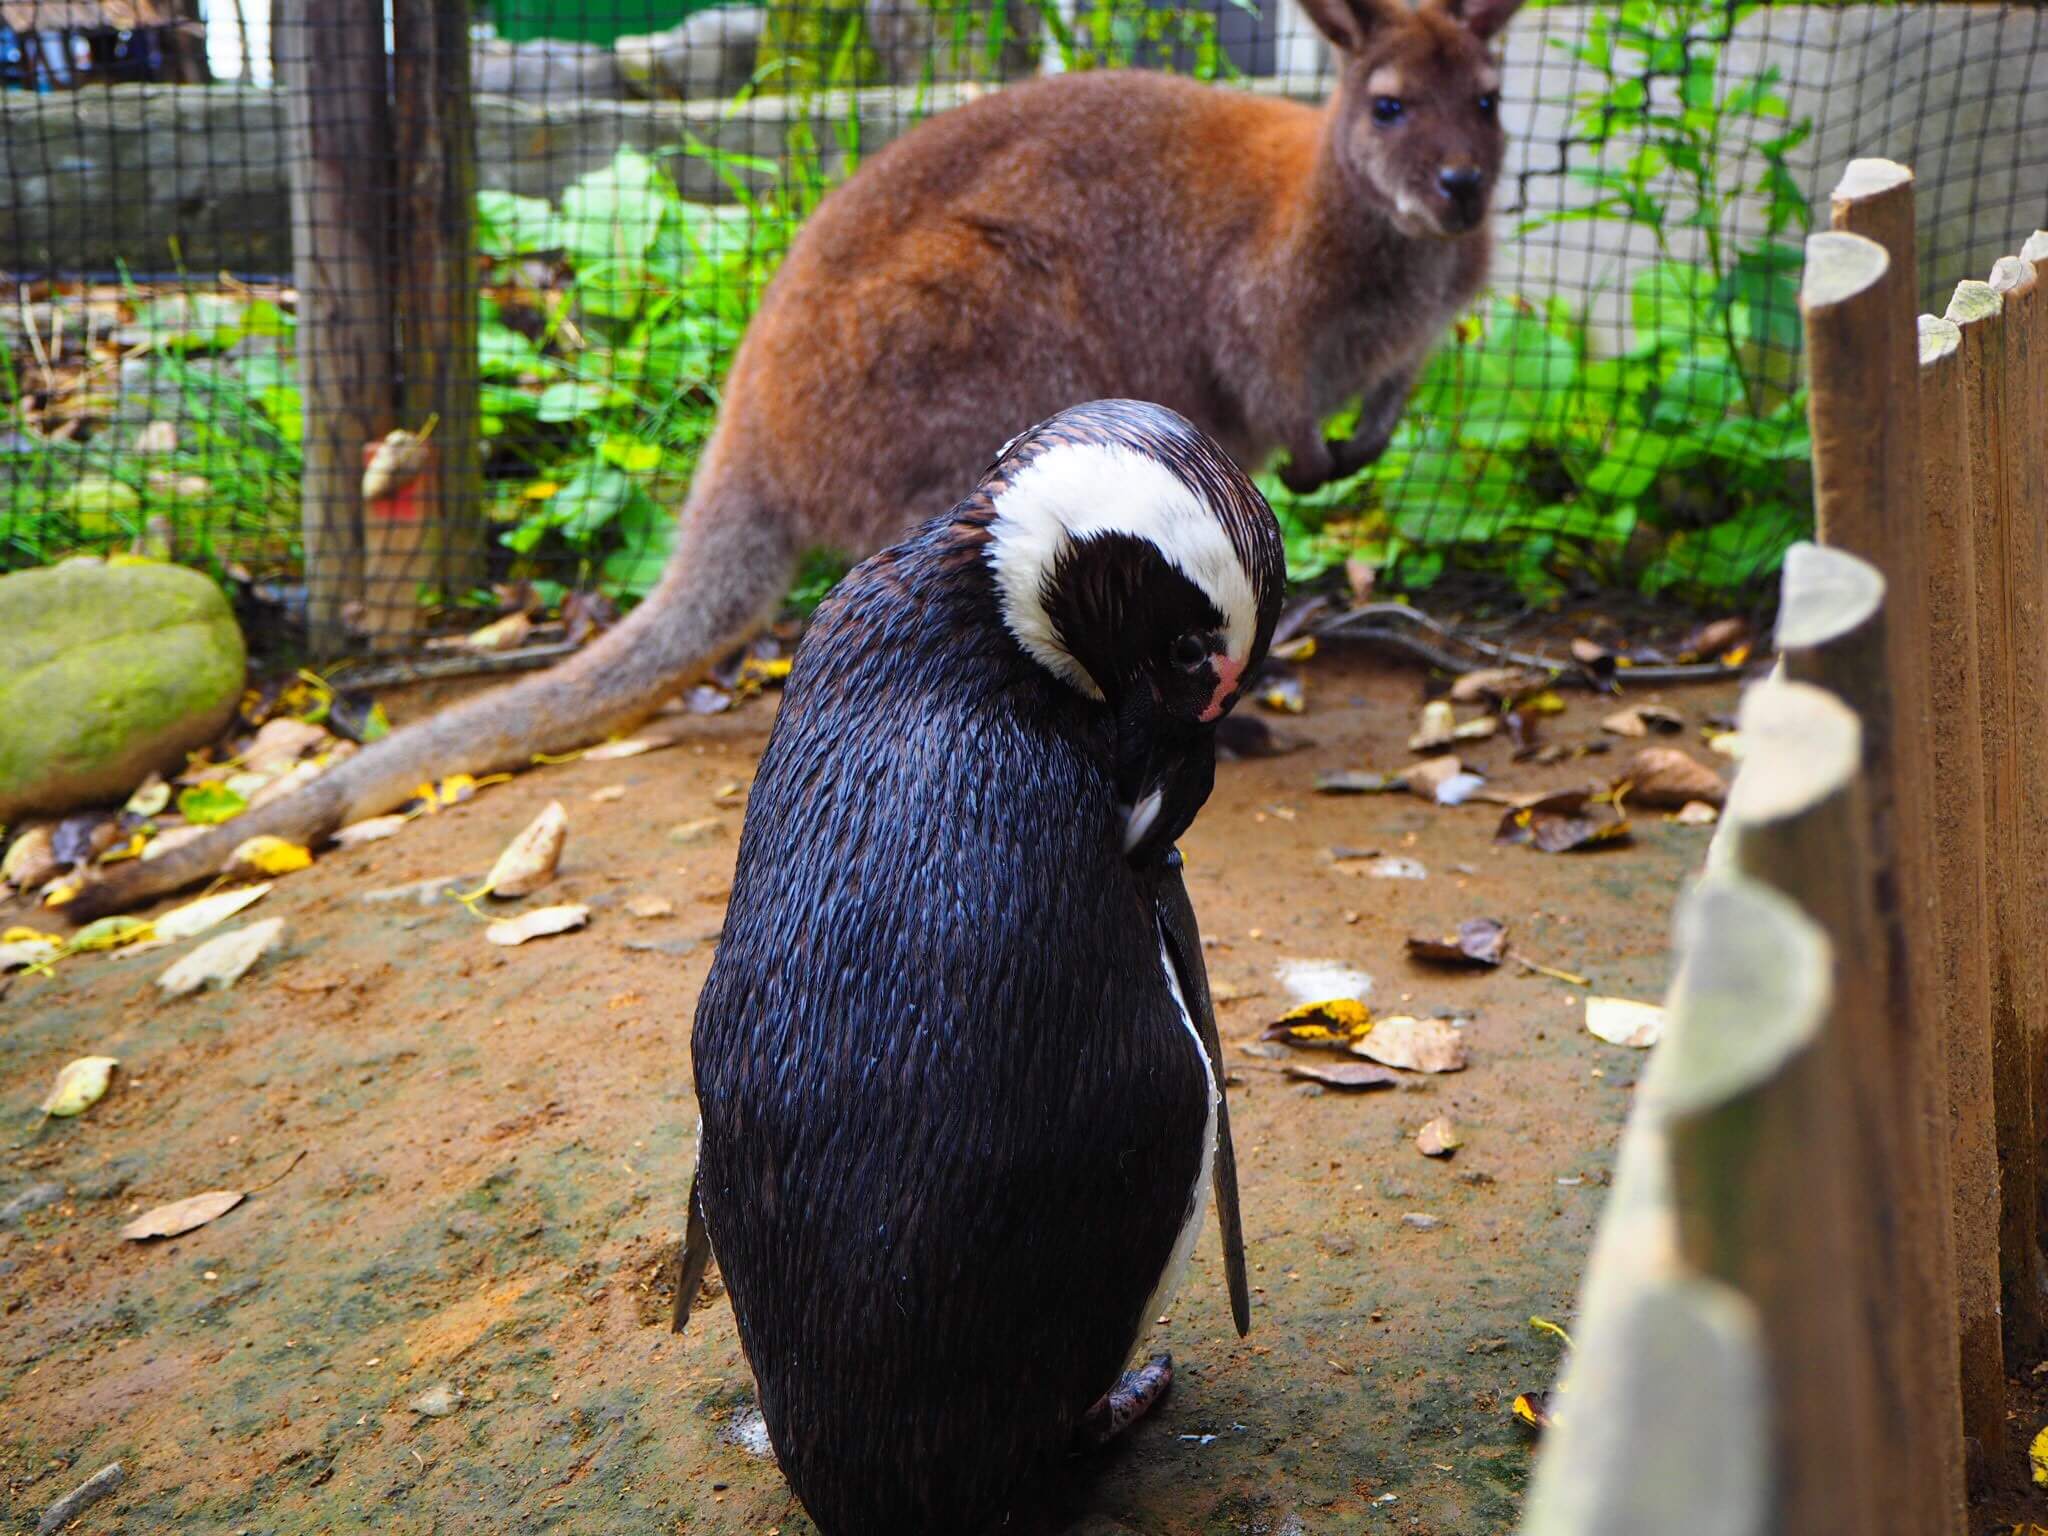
<point x="109" y="670"/>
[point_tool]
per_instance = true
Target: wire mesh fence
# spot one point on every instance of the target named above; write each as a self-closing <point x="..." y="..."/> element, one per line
<point x="245" y="243"/>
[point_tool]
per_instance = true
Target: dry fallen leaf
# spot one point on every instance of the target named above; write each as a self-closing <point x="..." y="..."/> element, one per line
<point x="1621" y="1022"/>
<point x="1533" y="1409"/>
<point x="1502" y="685"/>
<point x="1559" y="824"/>
<point x="1349" y="1076"/>
<point x="1428" y="776"/>
<point x="79" y="1086"/>
<point x="1666" y="777"/>
<point x="504" y="634"/>
<point x="370" y="830"/>
<point x="608" y="794"/>
<point x="182" y="1215"/>
<point x="650" y="906"/>
<point x="1394" y="867"/>
<point x="696" y="831"/>
<point x="266" y="855"/>
<point x="2037" y="1459"/>
<point x="1356" y="781"/>
<point x="31" y="859"/>
<point x="150" y="797"/>
<point x="1713" y="638"/>
<point x="1416" y="1045"/>
<point x="281" y="743"/>
<point x="1240" y="737"/>
<point x="1285" y="694"/>
<point x="195" y="917"/>
<point x="538" y="923"/>
<point x="1438" y="728"/>
<point x="223" y="960"/>
<point x="1478" y="941"/>
<point x="111" y="933"/>
<point x="529" y="860"/>
<point x="654" y="739"/>
<point x="24" y="946"/>
<point x="1626" y="722"/>
<point x="1439" y="1138"/>
<point x="1331" y="1024"/>
<point x="437" y="1402"/>
<point x="1696" y="813"/>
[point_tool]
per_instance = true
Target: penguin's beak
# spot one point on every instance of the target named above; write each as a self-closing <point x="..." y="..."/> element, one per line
<point x="1166" y="768"/>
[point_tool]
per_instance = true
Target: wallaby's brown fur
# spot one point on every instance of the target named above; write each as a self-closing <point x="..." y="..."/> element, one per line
<point x="1250" y="262"/>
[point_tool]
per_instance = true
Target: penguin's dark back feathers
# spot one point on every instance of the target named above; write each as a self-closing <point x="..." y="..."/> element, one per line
<point x="951" y="1116"/>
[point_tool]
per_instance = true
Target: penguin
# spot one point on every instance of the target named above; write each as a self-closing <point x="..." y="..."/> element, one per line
<point x="960" y="1092"/>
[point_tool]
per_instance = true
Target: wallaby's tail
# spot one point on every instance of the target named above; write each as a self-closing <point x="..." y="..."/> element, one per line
<point x="731" y="567"/>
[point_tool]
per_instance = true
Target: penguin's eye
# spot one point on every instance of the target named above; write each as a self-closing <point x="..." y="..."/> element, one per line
<point x="1189" y="651"/>
<point x="1387" y="109"/>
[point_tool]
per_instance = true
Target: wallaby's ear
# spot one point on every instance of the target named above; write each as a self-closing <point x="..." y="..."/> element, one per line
<point x="1482" y="18"/>
<point x="1348" y="24"/>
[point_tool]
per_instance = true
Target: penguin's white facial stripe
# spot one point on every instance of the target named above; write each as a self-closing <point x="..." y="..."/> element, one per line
<point x="1074" y="492"/>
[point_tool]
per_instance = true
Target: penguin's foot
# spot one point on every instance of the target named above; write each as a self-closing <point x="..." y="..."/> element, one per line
<point x="1126" y="1402"/>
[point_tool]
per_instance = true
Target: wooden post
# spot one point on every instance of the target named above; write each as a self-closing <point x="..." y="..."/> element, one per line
<point x="1953" y="649"/>
<point x="337" y="141"/>
<point x="2010" y="644"/>
<point x="2035" y="253"/>
<point x="435" y="276"/>
<point x="1863" y="360"/>
<point x="1748" y="1084"/>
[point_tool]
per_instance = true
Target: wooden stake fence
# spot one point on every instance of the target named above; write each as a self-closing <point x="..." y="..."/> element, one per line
<point x="1828" y="1214"/>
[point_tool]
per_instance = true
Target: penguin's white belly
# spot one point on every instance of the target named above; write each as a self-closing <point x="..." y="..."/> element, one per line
<point x="1198" y="1197"/>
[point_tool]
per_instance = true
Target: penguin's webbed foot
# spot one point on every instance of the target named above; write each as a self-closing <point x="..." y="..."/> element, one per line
<point x="1126" y="1402"/>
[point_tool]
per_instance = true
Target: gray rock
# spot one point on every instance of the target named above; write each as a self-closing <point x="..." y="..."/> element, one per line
<point x="108" y="673"/>
<point x="713" y="53"/>
<point x="546" y="69"/>
<point x="35" y="1198"/>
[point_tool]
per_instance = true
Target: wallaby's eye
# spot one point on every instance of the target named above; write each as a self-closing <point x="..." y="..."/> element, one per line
<point x="1190" y="651"/>
<point x="1387" y="109"/>
<point x="1489" y="103"/>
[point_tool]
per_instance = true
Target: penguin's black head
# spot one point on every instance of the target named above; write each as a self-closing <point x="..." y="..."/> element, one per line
<point x="1139" y="565"/>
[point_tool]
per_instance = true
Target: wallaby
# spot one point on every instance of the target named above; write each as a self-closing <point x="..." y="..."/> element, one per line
<point x="1250" y="262"/>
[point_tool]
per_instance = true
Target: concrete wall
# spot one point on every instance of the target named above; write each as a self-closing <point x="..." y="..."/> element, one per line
<point x="1961" y="92"/>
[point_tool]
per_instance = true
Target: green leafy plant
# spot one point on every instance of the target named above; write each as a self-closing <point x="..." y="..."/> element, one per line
<point x="1677" y="466"/>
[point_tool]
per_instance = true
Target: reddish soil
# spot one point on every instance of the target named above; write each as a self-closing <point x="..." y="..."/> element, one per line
<point x="498" y="1142"/>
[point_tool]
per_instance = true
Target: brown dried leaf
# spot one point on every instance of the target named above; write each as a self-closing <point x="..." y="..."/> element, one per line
<point x="1439" y="722"/>
<point x="650" y="906"/>
<point x="371" y="830"/>
<point x="1478" y="941"/>
<point x="281" y="743"/>
<point x="1350" y="1076"/>
<point x="1559" y="824"/>
<point x="1626" y="722"/>
<point x="1428" y="776"/>
<point x="1500" y="685"/>
<point x="1696" y="813"/>
<point x="529" y="860"/>
<point x="1619" y="1021"/>
<point x="1356" y="781"/>
<point x="182" y="1215"/>
<point x="1416" y="1045"/>
<point x="32" y="858"/>
<point x="222" y="961"/>
<point x="1439" y="1138"/>
<point x="538" y="923"/>
<point x="1715" y="637"/>
<point x="1667" y="778"/>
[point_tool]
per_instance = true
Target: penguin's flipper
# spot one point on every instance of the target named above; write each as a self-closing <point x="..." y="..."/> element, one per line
<point x="1184" y="944"/>
<point x="692" y="1261"/>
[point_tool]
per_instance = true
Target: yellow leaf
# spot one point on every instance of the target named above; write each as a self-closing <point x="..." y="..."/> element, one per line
<point x="1335" y="1021"/>
<point x="540" y="490"/>
<point x="2037" y="1458"/>
<point x="1545" y="703"/>
<point x="28" y="936"/>
<point x="1545" y="1325"/>
<point x="268" y="855"/>
<point x="132" y="849"/>
<point x="773" y="670"/>
<point x="79" y="1086"/>
<point x="112" y="933"/>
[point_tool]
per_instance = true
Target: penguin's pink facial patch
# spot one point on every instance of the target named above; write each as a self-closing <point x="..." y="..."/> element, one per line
<point x="1227" y="674"/>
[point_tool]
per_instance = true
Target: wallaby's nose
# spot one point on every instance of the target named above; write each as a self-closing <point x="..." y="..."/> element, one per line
<point x="1460" y="182"/>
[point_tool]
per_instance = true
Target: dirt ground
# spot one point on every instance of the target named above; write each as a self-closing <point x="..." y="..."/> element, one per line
<point x="497" y="1144"/>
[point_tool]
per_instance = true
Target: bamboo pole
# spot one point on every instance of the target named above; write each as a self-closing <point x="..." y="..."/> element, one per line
<point x="1962" y="904"/>
<point x="337" y="142"/>
<point x="2010" y="647"/>
<point x="1863" y="359"/>
<point x="1776" y="1122"/>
